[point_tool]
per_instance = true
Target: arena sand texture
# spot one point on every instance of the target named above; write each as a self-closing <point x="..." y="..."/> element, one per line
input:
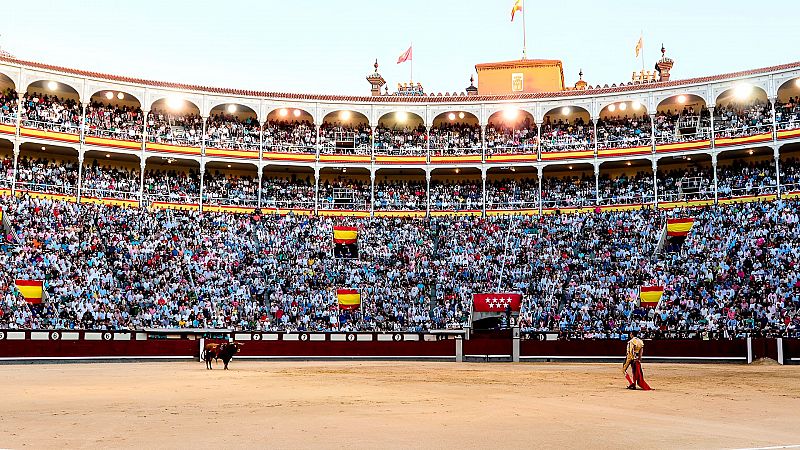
<point x="396" y="405"/>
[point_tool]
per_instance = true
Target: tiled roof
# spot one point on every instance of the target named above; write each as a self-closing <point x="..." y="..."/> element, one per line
<point x="395" y="99"/>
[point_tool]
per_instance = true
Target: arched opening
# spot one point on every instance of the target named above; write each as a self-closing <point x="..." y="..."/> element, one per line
<point x="290" y="130"/>
<point x="566" y="129"/>
<point x="790" y="169"/>
<point x="110" y="175"/>
<point x="233" y="127"/>
<point x="744" y="173"/>
<point x="787" y="107"/>
<point x="171" y="180"/>
<point x="287" y="187"/>
<point x="456" y="189"/>
<point x="6" y="164"/>
<point x="455" y="133"/>
<point x="742" y="111"/>
<point x="626" y="182"/>
<point x="624" y="125"/>
<point x="682" y="118"/>
<point x="346" y="188"/>
<point x="400" y="133"/>
<point x="114" y="114"/>
<point x="570" y="186"/>
<point x="684" y="178"/>
<point x="401" y="190"/>
<point x="512" y="188"/>
<point x="8" y="101"/>
<point x="52" y="106"/>
<point x="47" y="169"/>
<point x="175" y="121"/>
<point x="511" y="130"/>
<point x="230" y="184"/>
<point x="345" y="133"/>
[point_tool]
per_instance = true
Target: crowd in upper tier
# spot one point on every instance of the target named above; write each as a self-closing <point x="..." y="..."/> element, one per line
<point x="115" y="268"/>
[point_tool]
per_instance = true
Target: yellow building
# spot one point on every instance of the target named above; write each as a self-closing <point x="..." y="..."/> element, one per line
<point x="520" y="76"/>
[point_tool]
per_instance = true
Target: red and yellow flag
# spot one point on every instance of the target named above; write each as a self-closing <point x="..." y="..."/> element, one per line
<point x="517" y="7"/>
<point x="31" y="290"/>
<point x="345" y="235"/>
<point x="348" y="298"/>
<point x="679" y="227"/>
<point x="639" y="45"/>
<point x="650" y="295"/>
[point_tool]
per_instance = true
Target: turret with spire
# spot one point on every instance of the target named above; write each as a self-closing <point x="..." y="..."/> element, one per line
<point x="376" y="80"/>
<point x="472" y="90"/>
<point x="664" y="65"/>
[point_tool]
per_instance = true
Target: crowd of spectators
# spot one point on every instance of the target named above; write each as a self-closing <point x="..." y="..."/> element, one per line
<point x="695" y="182"/>
<point x="104" y="181"/>
<point x="6" y="171"/>
<point x="566" y="136"/>
<point x="570" y="191"/>
<point x="118" y="268"/>
<point x="293" y="137"/>
<point x="787" y="115"/>
<point x="512" y="193"/>
<point x="626" y="189"/>
<point x="8" y="106"/>
<point x="740" y="178"/>
<point x="284" y="193"/>
<point x="400" y="140"/>
<point x="624" y="132"/>
<point x="740" y="120"/>
<point x="452" y="139"/>
<point x="345" y="193"/>
<point x="49" y="112"/>
<point x="504" y="138"/>
<point x="456" y="195"/>
<point x="225" y="131"/>
<point x="173" y="185"/>
<point x="687" y="125"/>
<point x="401" y="195"/>
<point x="229" y="190"/>
<point x="337" y="138"/>
<point x="175" y="129"/>
<point x="47" y="175"/>
<point x="114" y="121"/>
<point x="790" y="174"/>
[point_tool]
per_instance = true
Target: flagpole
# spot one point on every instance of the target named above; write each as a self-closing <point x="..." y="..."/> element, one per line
<point x="524" y="37"/>
<point x="412" y="63"/>
<point x="641" y="51"/>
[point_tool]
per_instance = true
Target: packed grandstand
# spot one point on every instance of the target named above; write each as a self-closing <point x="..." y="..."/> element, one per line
<point x="164" y="214"/>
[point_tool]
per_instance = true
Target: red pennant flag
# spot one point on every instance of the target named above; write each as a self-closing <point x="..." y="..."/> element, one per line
<point x="406" y="56"/>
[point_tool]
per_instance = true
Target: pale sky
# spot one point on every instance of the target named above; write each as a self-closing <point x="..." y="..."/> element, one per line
<point x="317" y="46"/>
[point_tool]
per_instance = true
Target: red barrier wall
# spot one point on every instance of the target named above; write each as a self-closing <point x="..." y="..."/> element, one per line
<point x="669" y="349"/>
<point x="164" y="348"/>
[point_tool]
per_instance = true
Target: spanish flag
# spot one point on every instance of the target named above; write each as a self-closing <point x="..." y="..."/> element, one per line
<point x="517" y="7"/>
<point x="345" y="242"/>
<point x="679" y="227"/>
<point x="639" y="45"/>
<point x="31" y="290"/>
<point x="650" y="295"/>
<point x="348" y="298"/>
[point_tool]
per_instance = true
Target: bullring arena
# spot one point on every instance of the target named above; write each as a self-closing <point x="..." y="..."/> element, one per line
<point x="520" y="253"/>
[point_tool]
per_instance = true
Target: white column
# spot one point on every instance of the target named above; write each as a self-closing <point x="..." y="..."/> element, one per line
<point x="538" y="141"/>
<point x="428" y="145"/>
<point x="317" y="147"/>
<point x="483" y="179"/>
<point x="596" y="183"/>
<point x="776" y="152"/>
<point x="713" y="134"/>
<point x="372" y="143"/>
<point x="540" y="171"/>
<point x="428" y="197"/>
<point x="716" y="190"/>
<point x="594" y="128"/>
<point x="655" y="182"/>
<point x="372" y="192"/>
<point x="316" y="183"/>
<point x="653" y="131"/>
<point x="774" y="119"/>
<point x="203" y="137"/>
<point x="483" y="142"/>
<point x="260" y="182"/>
<point x="80" y="173"/>
<point x="83" y="123"/>
<point x="142" y="164"/>
<point x="202" y="179"/>
<point x="16" y="167"/>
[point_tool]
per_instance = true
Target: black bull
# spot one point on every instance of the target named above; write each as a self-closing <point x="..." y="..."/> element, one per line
<point x="224" y="351"/>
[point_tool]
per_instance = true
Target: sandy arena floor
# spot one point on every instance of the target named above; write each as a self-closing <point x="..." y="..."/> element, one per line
<point x="403" y="405"/>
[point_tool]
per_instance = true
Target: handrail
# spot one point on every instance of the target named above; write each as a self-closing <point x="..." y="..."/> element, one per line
<point x="108" y="193"/>
<point x="64" y="127"/>
<point x="45" y="188"/>
<point x="120" y="134"/>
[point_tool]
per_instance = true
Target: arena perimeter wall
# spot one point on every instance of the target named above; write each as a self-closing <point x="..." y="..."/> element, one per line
<point x="64" y="346"/>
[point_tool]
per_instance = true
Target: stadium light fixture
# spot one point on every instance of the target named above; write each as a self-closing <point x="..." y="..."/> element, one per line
<point x="108" y="155"/>
<point x="401" y="116"/>
<point x="628" y="163"/>
<point x="451" y="116"/>
<point x="681" y="99"/>
<point x="231" y="108"/>
<point x="750" y="152"/>
<point x="461" y="115"/>
<point x="636" y="105"/>
<point x="283" y="112"/>
<point x="229" y="166"/>
<point x="612" y="107"/>
<point x="109" y="95"/>
<point x="458" y="170"/>
<point x="43" y="147"/>
<point x="174" y="102"/>
<point x="297" y="113"/>
<point x="120" y="95"/>
<point x="742" y="91"/>
<point x="52" y="85"/>
<point x="797" y="82"/>
<point x="345" y="115"/>
<point x="513" y="169"/>
<point x="565" y="111"/>
<point x="570" y="167"/>
<point x="511" y="114"/>
<point x="344" y="169"/>
<point x="623" y="106"/>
